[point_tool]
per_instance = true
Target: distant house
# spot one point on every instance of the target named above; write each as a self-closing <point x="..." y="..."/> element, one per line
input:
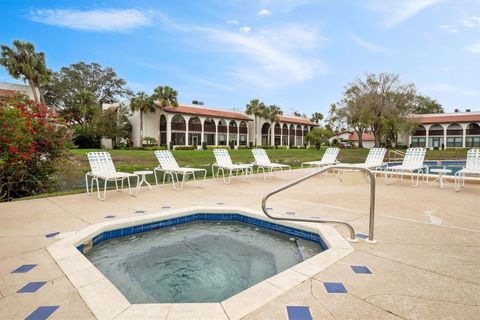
<point x="368" y="140"/>
<point x="341" y="136"/>
<point x="11" y="89"/>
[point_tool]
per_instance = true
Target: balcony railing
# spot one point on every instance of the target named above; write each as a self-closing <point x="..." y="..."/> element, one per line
<point x="209" y="128"/>
<point x="195" y="127"/>
<point x="243" y="130"/>
<point x="435" y="132"/>
<point x="454" y="132"/>
<point x="178" y="126"/>
<point x="222" y="129"/>
<point x="474" y="131"/>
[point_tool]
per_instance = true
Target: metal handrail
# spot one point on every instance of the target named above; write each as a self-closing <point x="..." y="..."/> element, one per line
<point x="346" y="224"/>
<point x="397" y="153"/>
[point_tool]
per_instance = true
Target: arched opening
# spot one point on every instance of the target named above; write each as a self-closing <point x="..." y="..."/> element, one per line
<point x="266" y="134"/>
<point x="243" y="129"/>
<point x="163" y="130"/>
<point x="305" y="131"/>
<point x="284" y="134"/>
<point x="194" y="131"/>
<point x="222" y="133"/>
<point x="292" y="135"/>
<point x="178" y="130"/>
<point x="419" y="137"/>
<point x="209" y="131"/>
<point x="454" y="136"/>
<point x="298" y="136"/>
<point x="435" y="136"/>
<point x="232" y="132"/>
<point x="473" y="135"/>
<point x="277" y="134"/>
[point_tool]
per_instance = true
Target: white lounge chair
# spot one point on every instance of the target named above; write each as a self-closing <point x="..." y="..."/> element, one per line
<point x="169" y="167"/>
<point x="262" y="161"/>
<point x="412" y="163"/>
<point x="224" y="163"/>
<point x="329" y="158"/>
<point x="472" y="168"/>
<point x="103" y="168"/>
<point x="374" y="159"/>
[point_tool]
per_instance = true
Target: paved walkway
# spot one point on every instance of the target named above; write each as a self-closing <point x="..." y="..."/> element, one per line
<point x="426" y="264"/>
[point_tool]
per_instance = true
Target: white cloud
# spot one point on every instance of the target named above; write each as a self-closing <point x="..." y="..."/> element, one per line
<point x="397" y="11"/>
<point x="245" y="29"/>
<point x="474" y="48"/>
<point x="233" y="21"/>
<point x="368" y="45"/>
<point x="450" y="89"/>
<point x="106" y="20"/>
<point x="264" y="12"/>
<point x="271" y="58"/>
<point x="449" y="28"/>
<point x="471" y="22"/>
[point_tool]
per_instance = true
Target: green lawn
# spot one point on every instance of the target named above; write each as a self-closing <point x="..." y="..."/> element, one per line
<point x="74" y="169"/>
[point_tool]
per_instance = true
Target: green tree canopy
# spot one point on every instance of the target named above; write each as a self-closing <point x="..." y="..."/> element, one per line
<point x="318" y="136"/>
<point x="423" y="104"/>
<point x="83" y="109"/>
<point x="142" y="103"/>
<point x="255" y="108"/>
<point x="113" y="124"/>
<point x="22" y="62"/>
<point x="102" y="82"/>
<point x="316" y="117"/>
<point x="165" y="96"/>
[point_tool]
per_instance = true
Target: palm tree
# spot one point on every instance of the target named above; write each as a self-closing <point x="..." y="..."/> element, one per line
<point x="143" y="103"/>
<point x="257" y="109"/>
<point x="164" y="96"/>
<point x="271" y="113"/>
<point x="22" y="61"/>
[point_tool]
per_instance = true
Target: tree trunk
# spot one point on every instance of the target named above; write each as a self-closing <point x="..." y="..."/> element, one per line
<point x="34" y="91"/>
<point x="141" y="129"/>
<point x="360" y="139"/>
<point x="159" y="130"/>
<point x="255" y="129"/>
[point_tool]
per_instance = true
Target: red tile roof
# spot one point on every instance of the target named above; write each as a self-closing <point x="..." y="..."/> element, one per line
<point x="200" y="111"/>
<point x="448" y="118"/>
<point x="8" y="93"/>
<point x="296" y="120"/>
<point x="365" y="137"/>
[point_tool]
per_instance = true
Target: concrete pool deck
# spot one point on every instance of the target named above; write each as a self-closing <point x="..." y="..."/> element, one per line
<point x="426" y="264"/>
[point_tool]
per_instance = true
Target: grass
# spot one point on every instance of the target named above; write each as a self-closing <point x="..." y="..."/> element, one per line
<point x="73" y="170"/>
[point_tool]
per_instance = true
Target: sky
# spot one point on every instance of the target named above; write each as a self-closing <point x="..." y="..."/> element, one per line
<point x="297" y="54"/>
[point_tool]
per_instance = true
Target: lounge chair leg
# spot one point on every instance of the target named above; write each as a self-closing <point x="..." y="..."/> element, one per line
<point x="86" y="184"/>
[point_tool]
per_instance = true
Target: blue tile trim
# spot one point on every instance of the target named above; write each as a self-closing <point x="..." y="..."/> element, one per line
<point x="299" y="313"/>
<point x="24" y="268"/>
<point x="361" y="236"/>
<point x="361" y="269"/>
<point x="306" y="235"/>
<point x="42" y="313"/>
<point x="31" y="287"/>
<point x="335" y="287"/>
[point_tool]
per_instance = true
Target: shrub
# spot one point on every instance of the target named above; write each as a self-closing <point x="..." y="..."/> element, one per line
<point x="282" y="147"/>
<point x="204" y="145"/>
<point x="32" y="140"/>
<point x="218" y="147"/>
<point x="250" y="144"/>
<point x="243" y="147"/>
<point x="266" y="147"/>
<point x="154" y="148"/>
<point x="232" y="144"/>
<point x="185" y="148"/>
<point x="86" y="137"/>
<point x="149" y="141"/>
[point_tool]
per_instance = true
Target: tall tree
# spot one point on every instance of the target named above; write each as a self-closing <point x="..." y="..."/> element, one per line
<point x="317" y="136"/>
<point x="383" y="94"/>
<point x="83" y="110"/>
<point x="423" y="104"/>
<point x="164" y="96"/>
<point x="113" y="124"/>
<point x="271" y="113"/>
<point x="142" y="103"/>
<point x="102" y="82"/>
<point x="257" y="109"/>
<point x="21" y="61"/>
<point x="299" y="114"/>
<point x="316" y="117"/>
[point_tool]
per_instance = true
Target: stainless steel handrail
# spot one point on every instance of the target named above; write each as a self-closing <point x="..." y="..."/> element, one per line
<point x="396" y="153"/>
<point x="336" y="167"/>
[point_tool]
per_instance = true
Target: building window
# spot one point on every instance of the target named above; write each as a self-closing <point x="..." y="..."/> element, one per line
<point x="209" y="138"/>
<point x="418" y="142"/>
<point x="178" y="138"/>
<point x="472" y="142"/>
<point x="454" y="142"/>
<point x="222" y="139"/>
<point x="243" y="139"/>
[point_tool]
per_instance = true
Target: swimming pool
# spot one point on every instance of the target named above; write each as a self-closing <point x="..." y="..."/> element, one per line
<point x="199" y="261"/>
<point x="452" y="165"/>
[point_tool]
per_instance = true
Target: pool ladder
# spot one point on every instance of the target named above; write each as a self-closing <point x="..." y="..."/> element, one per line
<point x="346" y="224"/>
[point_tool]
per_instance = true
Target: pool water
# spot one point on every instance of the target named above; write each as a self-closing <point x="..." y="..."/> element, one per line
<point x="201" y="261"/>
<point x="452" y="165"/>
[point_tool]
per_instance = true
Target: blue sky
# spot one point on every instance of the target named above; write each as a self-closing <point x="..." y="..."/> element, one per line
<point x="298" y="54"/>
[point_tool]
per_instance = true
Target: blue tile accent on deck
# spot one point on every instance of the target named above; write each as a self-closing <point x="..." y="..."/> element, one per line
<point x="361" y="269"/>
<point x="140" y="211"/>
<point x="361" y="236"/>
<point x="31" y="287"/>
<point x="208" y="217"/>
<point x="110" y="216"/>
<point x="42" y="313"/>
<point x="166" y="207"/>
<point x="299" y="313"/>
<point x="335" y="287"/>
<point x="24" y="268"/>
<point x="53" y="234"/>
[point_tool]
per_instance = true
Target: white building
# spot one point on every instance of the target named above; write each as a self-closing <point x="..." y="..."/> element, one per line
<point x="11" y="89"/>
<point x="189" y="125"/>
<point x="449" y="130"/>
